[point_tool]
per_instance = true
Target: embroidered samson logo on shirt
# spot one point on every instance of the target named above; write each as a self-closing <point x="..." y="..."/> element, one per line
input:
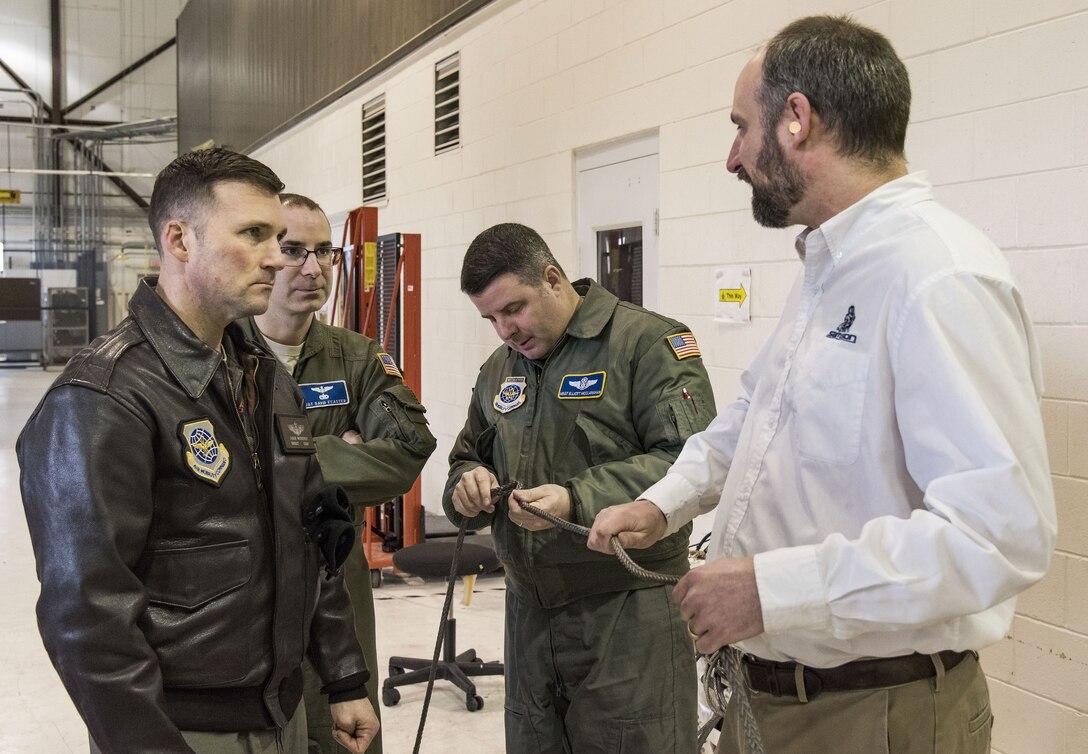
<point x="204" y="455"/>
<point x="511" y="394"/>
<point x="318" y="394"/>
<point x="389" y="365"/>
<point x="842" y="332"/>
<point x="683" y="345"/>
<point x="577" y="386"/>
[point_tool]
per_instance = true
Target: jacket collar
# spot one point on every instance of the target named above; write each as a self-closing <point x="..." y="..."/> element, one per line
<point x="188" y="359"/>
<point x="595" y="312"/>
<point x="317" y="337"/>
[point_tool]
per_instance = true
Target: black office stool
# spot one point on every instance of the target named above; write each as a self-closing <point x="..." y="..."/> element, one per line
<point x="433" y="559"/>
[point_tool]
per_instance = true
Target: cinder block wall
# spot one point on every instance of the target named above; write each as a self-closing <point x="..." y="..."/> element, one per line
<point x="1000" y="121"/>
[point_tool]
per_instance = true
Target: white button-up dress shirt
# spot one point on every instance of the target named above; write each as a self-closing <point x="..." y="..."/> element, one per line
<point x="885" y="462"/>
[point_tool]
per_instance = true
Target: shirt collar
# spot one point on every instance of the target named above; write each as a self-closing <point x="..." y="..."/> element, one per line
<point x="840" y="232"/>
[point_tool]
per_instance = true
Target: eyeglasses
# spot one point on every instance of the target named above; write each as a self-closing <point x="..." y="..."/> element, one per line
<point x="327" y="256"/>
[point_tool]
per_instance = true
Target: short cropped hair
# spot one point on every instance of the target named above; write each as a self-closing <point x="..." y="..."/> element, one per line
<point x="298" y="200"/>
<point x="851" y="75"/>
<point x="505" y="248"/>
<point x="185" y="187"/>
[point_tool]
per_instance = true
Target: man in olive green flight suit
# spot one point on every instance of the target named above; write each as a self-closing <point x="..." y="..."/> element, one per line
<point x="371" y="435"/>
<point x="589" y="399"/>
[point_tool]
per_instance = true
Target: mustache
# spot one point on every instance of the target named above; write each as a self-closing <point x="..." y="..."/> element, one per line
<point x="743" y="177"/>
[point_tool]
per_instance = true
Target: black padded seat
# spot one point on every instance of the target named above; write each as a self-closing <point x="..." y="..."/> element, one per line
<point x="434" y="559"/>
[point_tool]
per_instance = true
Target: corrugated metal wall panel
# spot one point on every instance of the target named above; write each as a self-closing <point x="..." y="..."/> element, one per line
<point x="247" y="69"/>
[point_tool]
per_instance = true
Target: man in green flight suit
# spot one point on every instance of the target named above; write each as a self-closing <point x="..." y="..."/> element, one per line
<point x="588" y="399"/>
<point x="371" y="435"/>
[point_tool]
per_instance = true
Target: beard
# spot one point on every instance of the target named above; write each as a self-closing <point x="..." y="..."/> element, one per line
<point x="784" y="187"/>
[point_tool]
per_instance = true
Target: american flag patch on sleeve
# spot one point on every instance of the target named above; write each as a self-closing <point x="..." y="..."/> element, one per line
<point x="683" y="345"/>
<point x="389" y="365"/>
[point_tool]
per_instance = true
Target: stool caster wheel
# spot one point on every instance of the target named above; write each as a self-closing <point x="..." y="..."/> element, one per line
<point x="390" y="696"/>
<point x="473" y="703"/>
<point x="375" y="578"/>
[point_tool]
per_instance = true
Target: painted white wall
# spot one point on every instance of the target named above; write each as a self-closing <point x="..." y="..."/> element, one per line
<point x="1000" y="120"/>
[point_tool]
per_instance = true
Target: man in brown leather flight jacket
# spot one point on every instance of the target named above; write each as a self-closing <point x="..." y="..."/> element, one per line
<point x="166" y="476"/>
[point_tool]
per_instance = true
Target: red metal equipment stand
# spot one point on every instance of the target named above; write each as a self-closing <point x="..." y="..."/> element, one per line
<point x="361" y="315"/>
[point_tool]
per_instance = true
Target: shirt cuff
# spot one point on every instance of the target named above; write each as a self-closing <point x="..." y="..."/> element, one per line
<point x="676" y="498"/>
<point x="791" y="590"/>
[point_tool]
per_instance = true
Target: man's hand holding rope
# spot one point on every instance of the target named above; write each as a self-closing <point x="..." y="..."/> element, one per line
<point x="719" y="600"/>
<point x="550" y="498"/>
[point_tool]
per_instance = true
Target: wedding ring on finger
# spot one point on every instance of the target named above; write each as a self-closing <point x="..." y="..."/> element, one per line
<point x="694" y="636"/>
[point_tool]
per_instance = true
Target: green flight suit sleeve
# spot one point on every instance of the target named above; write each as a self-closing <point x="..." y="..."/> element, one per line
<point x="672" y="400"/>
<point x="397" y="442"/>
<point x="473" y="447"/>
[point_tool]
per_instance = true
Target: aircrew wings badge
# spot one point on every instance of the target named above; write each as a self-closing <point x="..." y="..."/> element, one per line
<point x="205" y="456"/>
<point x="389" y="365"/>
<point x="580" y="386"/>
<point x="683" y="345"/>
<point x="511" y="394"/>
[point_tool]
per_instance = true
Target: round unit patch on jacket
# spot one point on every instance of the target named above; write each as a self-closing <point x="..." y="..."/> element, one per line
<point x="683" y="345"/>
<point x="204" y="455"/>
<point x="511" y="394"/>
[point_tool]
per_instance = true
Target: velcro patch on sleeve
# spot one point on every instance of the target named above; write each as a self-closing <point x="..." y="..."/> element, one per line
<point x="389" y="365"/>
<point x="683" y="345"/>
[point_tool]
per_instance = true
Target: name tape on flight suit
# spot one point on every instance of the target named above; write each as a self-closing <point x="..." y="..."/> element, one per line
<point x="318" y="394"/>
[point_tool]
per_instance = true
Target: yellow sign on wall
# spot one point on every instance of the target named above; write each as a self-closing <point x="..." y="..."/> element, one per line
<point x="370" y="264"/>
<point x="11" y="196"/>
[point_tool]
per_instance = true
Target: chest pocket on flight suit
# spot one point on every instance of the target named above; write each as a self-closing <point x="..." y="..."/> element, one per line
<point x="830" y="398"/>
<point x="597" y="444"/>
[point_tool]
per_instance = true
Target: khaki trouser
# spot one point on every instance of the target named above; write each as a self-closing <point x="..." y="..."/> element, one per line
<point x="949" y="715"/>
<point x="288" y="740"/>
<point x="611" y="673"/>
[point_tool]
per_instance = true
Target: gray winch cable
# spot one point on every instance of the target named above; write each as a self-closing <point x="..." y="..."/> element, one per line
<point x="723" y="666"/>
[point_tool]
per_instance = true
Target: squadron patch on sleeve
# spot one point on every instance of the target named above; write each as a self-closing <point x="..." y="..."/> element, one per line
<point x="331" y="393"/>
<point x="389" y="365"/>
<point x="683" y="345"/>
<point x="205" y="456"/>
<point x="511" y="394"/>
<point x="580" y="386"/>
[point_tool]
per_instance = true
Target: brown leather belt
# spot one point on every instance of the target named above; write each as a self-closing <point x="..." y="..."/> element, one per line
<point x="780" y="678"/>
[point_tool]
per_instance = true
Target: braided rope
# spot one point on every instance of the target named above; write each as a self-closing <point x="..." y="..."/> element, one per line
<point x="724" y="676"/>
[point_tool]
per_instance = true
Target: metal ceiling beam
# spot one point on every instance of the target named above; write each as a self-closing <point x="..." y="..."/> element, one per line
<point x="23" y="85"/>
<point x="77" y="122"/>
<point x="121" y="74"/>
<point x="102" y="167"/>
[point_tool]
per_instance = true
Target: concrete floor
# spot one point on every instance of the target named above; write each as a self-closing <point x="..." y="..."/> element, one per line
<point x="36" y="716"/>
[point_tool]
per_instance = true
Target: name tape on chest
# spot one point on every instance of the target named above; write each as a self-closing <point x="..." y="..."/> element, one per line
<point x="683" y="345"/>
<point x="582" y="386"/>
<point x="205" y="456"/>
<point x="511" y="394"/>
<point x="318" y="394"/>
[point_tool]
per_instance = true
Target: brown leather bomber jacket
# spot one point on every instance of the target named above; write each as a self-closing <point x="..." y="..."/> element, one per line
<point x="179" y="588"/>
